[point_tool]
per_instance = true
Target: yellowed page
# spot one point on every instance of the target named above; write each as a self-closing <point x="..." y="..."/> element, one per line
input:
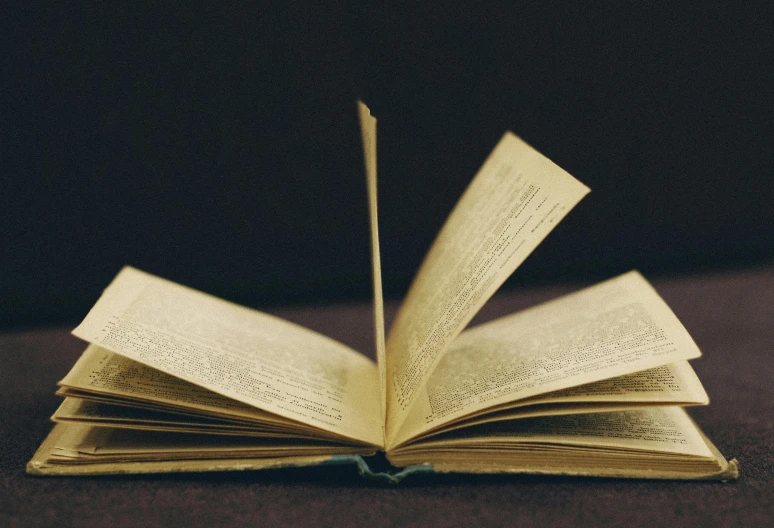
<point x="84" y="445"/>
<point x="101" y="371"/>
<point x="667" y="385"/>
<point x="654" y="429"/>
<point x="239" y="353"/>
<point x="368" y="133"/>
<point x="617" y="327"/>
<point x="649" y="443"/>
<point x="106" y="441"/>
<point x="515" y="200"/>
<point x="44" y="463"/>
<point x="102" y="376"/>
<point x="78" y="410"/>
<point x="676" y="382"/>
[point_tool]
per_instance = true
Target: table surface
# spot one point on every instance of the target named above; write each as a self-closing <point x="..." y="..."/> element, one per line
<point x="728" y="314"/>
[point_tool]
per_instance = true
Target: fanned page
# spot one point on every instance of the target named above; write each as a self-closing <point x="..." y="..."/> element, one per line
<point x="516" y="198"/>
<point x="667" y="385"/>
<point x="614" y="328"/>
<point x="104" y="376"/>
<point x="237" y="352"/>
<point x="651" y="442"/>
<point x="666" y="430"/>
<point x="368" y="133"/>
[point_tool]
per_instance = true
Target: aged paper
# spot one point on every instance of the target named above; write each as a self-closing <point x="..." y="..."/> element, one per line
<point x="515" y="200"/>
<point x="617" y="327"/>
<point x="102" y="372"/>
<point x="239" y="353"/>
<point x="667" y="385"/>
<point x="647" y="443"/>
<point x="103" y="386"/>
<point x="45" y="462"/>
<point x="654" y="429"/>
<point x="106" y="442"/>
<point x="78" y="410"/>
<point x="368" y="133"/>
<point x="676" y="382"/>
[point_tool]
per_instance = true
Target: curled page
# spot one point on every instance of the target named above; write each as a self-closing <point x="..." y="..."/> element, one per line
<point x="243" y="354"/>
<point x="611" y="329"/>
<point x="515" y="200"/>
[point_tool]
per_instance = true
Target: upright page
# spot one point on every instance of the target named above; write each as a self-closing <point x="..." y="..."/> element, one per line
<point x="368" y="133"/>
<point x="515" y="200"/>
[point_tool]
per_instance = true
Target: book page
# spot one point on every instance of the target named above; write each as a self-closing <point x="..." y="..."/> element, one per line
<point x="102" y="376"/>
<point x="667" y="385"/>
<point x="48" y="459"/>
<point x="88" y="444"/>
<point x="618" y="327"/>
<point x="237" y="352"/>
<point x="662" y="429"/>
<point x="516" y="198"/>
<point x="77" y="410"/>
<point x="676" y="382"/>
<point x="368" y="134"/>
<point x="652" y="443"/>
<point x="102" y="372"/>
<point x="645" y="443"/>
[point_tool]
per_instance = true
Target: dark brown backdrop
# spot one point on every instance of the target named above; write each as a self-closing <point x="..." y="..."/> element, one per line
<point x="216" y="145"/>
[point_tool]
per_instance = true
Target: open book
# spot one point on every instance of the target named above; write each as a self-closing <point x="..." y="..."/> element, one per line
<point x="592" y="383"/>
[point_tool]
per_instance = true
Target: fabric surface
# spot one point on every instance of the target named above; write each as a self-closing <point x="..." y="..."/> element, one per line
<point x="729" y="315"/>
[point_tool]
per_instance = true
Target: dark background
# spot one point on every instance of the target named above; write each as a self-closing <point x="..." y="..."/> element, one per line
<point x="218" y="146"/>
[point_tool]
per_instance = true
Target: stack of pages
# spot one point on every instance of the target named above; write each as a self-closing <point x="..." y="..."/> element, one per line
<point x="592" y="383"/>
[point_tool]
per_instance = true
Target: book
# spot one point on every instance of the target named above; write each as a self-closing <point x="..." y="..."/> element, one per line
<point x="592" y="383"/>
